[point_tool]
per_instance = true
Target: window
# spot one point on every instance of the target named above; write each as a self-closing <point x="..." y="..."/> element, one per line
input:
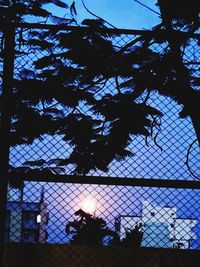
<point x="27" y="215"/>
<point x="30" y="218"/>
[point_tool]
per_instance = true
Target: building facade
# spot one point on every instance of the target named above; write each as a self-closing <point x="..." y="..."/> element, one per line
<point x="26" y="222"/>
<point x="160" y="226"/>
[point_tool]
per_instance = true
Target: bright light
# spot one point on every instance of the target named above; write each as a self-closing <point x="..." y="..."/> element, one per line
<point x="89" y="205"/>
<point x="39" y="218"/>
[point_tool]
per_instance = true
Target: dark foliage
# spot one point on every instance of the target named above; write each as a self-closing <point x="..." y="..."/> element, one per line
<point x="88" y="229"/>
<point x="17" y="10"/>
<point x="76" y="68"/>
<point x="183" y="14"/>
<point x="133" y="237"/>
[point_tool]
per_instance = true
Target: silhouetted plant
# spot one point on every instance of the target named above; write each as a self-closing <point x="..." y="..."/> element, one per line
<point x="133" y="237"/>
<point x="88" y="229"/>
<point x="178" y="245"/>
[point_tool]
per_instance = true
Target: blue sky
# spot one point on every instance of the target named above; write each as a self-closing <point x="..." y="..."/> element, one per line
<point x="122" y="14"/>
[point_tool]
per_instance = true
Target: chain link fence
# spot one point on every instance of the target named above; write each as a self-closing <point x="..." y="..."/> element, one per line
<point x="147" y="201"/>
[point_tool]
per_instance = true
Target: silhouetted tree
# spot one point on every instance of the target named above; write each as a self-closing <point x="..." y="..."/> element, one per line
<point x="78" y="68"/>
<point x="17" y="10"/>
<point x="181" y="16"/>
<point x="88" y="229"/>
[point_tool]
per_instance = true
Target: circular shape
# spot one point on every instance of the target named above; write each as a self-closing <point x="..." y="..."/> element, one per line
<point x="193" y="159"/>
<point x="89" y="205"/>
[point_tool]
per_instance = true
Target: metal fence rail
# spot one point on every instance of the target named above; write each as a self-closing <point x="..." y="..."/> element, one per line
<point x="113" y="199"/>
<point x="149" y="200"/>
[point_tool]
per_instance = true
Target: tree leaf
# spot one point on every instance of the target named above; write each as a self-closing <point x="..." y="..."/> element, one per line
<point x="73" y="9"/>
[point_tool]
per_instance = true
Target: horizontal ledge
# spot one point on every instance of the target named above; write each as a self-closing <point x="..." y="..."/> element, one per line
<point x="102" y="180"/>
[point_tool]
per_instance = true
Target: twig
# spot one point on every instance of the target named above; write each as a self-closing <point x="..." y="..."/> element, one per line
<point x="117" y="84"/>
<point x="103" y="125"/>
<point x="151" y="9"/>
<point x="103" y="85"/>
<point x="154" y="125"/>
<point x="94" y="83"/>
<point x="130" y="44"/>
<point x="187" y="160"/>
<point x="147" y="97"/>
<point x="91" y="13"/>
<point x="43" y="106"/>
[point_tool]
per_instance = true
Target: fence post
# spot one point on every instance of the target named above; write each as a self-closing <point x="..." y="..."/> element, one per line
<point x="7" y="85"/>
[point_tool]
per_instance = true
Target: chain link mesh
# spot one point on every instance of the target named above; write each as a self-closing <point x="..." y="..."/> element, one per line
<point x="120" y="217"/>
<point x="164" y="161"/>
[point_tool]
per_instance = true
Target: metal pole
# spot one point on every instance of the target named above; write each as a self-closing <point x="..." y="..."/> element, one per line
<point x="7" y="85"/>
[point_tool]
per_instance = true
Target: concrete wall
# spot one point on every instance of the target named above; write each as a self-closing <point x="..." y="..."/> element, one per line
<point x="43" y="255"/>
